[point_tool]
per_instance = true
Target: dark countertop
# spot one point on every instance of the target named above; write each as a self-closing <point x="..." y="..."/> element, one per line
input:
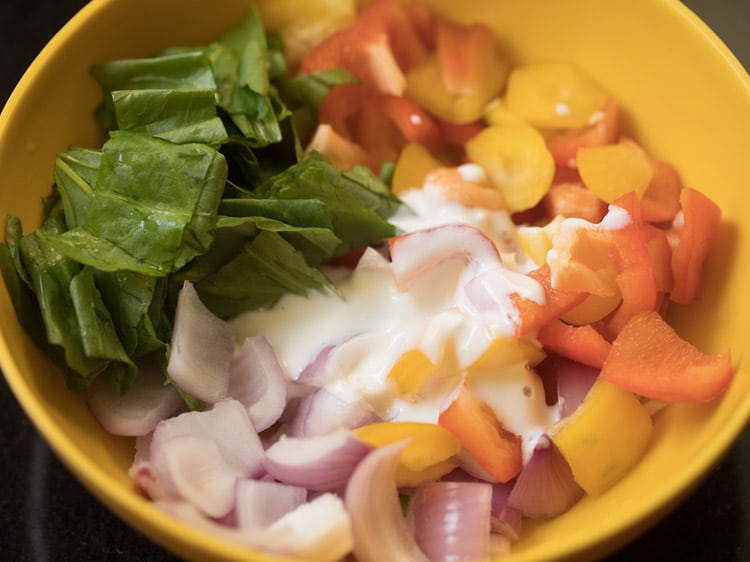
<point x="46" y="515"/>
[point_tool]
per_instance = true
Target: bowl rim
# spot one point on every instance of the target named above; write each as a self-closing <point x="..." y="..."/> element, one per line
<point x="136" y="511"/>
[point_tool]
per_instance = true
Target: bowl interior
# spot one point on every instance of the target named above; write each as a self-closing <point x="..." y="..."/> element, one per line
<point x="684" y="96"/>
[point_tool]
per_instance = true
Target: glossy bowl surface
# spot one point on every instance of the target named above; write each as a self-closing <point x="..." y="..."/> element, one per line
<point x="685" y="97"/>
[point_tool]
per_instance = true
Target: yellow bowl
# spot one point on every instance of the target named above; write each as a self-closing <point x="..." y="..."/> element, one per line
<point x="684" y="96"/>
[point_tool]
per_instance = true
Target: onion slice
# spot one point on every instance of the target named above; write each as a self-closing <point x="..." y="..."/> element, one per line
<point x="372" y="501"/>
<point x="574" y="380"/>
<point x="320" y="463"/>
<point x="545" y="488"/>
<point x="452" y="520"/>
<point x="227" y="424"/>
<point x="200" y="474"/>
<point x="136" y="412"/>
<point x="258" y="381"/>
<point x="201" y="350"/>
<point x="322" y="412"/>
<point x="260" y="503"/>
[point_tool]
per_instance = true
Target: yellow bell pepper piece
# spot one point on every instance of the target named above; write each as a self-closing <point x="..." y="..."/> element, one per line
<point x="424" y="85"/>
<point x="596" y="307"/>
<point x="412" y="167"/>
<point x="430" y="454"/>
<point x="410" y="371"/>
<point x="614" y="170"/>
<point x="503" y="352"/>
<point x="536" y="241"/>
<point x="605" y="437"/>
<point x="517" y="161"/>
<point x="553" y="95"/>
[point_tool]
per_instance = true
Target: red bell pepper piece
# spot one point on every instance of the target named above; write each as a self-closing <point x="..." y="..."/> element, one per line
<point x="697" y="233"/>
<point x="649" y="358"/>
<point x="579" y="343"/>
<point x="466" y="55"/>
<point x="496" y="449"/>
<point x="661" y="200"/>
<point x="557" y="302"/>
<point x="605" y="130"/>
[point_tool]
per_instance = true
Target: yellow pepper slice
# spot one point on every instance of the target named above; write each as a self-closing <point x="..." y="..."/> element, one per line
<point x="605" y="437"/>
<point x="424" y="85"/>
<point x="614" y="170"/>
<point x="410" y="371"/>
<point x="553" y="95"/>
<point x="517" y="161"/>
<point x="430" y="454"/>
<point x="412" y="167"/>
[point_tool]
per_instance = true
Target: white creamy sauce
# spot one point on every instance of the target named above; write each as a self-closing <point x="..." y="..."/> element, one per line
<point x="368" y="323"/>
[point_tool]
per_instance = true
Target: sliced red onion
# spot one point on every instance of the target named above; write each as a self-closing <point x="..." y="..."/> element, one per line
<point x="573" y="383"/>
<point x="258" y="381"/>
<point x="314" y="372"/>
<point x="323" y="412"/>
<point x="149" y="482"/>
<point x="227" y="424"/>
<point x="137" y="411"/>
<point x="317" y="530"/>
<point x="320" y="463"/>
<point x="373" y="504"/>
<point x="201" y="350"/>
<point x="504" y="519"/>
<point x="545" y="488"/>
<point x="260" y="503"/>
<point x="416" y="253"/>
<point x="200" y="473"/>
<point x="452" y="520"/>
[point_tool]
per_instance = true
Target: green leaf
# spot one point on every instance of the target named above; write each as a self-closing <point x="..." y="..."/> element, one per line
<point x="75" y="176"/>
<point x="181" y="71"/>
<point x="154" y="208"/>
<point x="51" y="275"/>
<point x="266" y="268"/>
<point x="179" y="116"/>
<point x="98" y="335"/>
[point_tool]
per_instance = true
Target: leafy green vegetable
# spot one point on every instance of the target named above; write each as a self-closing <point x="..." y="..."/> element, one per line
<point x="154" y="207"/>
<point x="174" y="115"/>
<point x="203" y="178"/>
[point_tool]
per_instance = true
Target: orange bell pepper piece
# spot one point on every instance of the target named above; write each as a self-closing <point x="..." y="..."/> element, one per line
<point x="661" y="200"/>
<point x="496" y="449"/>
<point x="557" y="302"/>
<point x="604" y="130"/>
<point x="342" y="152"/>
<point x="467" y="56"/>
<point x="699" y="229"/>
<point x="413" y="123"/>
<point x="580" y="343"/>
<point x="649" y="358"/>
<point x="572" y="200"/>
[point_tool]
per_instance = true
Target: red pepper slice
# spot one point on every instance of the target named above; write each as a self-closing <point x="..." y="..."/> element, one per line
<point x="649" y="358"/>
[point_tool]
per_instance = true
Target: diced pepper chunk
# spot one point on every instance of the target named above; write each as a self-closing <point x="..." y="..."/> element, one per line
<point x="696" y="232"/>
<point x="553" y="95"/>
<point x="602" y="130"/>
<point x="613" y="170"/>
<point x="516" y="160"/>
<point x="661" y="200"/>
<point x="430" y="453"/>
<point x="649" y="358"/>
<point x="468" y="57"/>
<point x="410" y="371"/>
<point x="579" y="343"/>
<point x="412" y="167"/>
<point x="605" y="437"/>
<point x="342" y="152"/>
<point x="495" y="448"/>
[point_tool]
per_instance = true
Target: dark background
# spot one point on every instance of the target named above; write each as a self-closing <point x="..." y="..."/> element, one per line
<point x="46" y="515"/>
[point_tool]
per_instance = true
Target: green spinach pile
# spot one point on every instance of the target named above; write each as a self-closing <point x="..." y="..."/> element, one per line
<point x="202" y="178"/>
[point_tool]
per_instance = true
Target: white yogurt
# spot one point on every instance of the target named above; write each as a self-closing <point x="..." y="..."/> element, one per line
<point x="369" y="323"/>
